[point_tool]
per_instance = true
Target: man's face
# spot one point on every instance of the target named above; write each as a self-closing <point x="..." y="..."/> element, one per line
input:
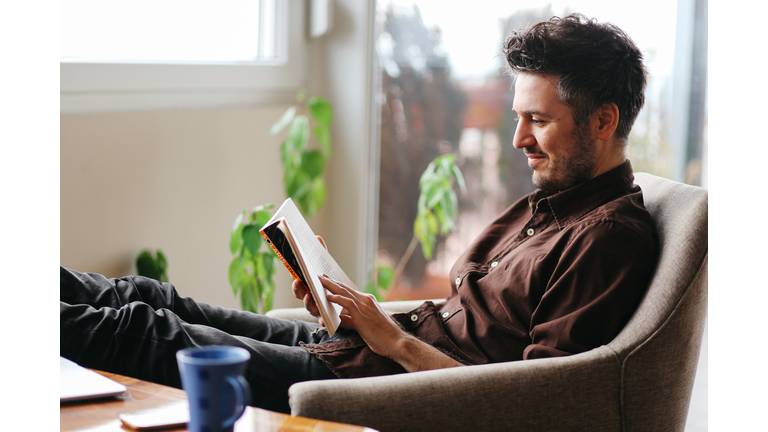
<point x="560" y="153"/>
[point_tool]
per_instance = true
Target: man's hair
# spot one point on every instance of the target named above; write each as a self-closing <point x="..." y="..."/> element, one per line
<point x="596" y="64"/>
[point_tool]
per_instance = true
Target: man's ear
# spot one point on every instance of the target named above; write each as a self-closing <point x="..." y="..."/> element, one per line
<point x="604" y="121"/>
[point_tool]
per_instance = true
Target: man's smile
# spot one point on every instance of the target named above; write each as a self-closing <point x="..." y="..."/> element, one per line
<point x="534" y="158"/>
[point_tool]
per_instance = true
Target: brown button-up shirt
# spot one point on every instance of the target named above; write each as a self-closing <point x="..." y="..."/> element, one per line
<point x="557" y="273"/>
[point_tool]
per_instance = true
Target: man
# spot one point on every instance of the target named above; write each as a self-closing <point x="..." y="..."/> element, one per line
<point x="559" y="272"/>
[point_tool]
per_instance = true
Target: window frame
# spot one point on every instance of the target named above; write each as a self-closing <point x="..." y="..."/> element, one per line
<point x="120" y="86"/>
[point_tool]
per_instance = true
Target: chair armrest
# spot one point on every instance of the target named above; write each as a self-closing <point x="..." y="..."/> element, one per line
<point x="302" y="314"/>
<point x="580" y="392"/>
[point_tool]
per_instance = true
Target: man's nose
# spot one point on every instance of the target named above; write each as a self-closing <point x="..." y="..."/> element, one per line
<point x="523" y="136"/>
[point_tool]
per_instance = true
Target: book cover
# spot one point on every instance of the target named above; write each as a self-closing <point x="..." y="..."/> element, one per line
<point x="275" y="238"/>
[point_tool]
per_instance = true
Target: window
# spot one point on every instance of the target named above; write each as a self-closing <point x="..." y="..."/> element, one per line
<point x="180" y="53"/>
<point x="442" y="90"/>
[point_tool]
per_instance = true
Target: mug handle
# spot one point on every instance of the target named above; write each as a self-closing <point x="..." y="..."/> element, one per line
<point x="242" y="398"/>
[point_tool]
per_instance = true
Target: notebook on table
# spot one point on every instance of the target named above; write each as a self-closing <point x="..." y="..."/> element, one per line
<point x="79" y="383"/>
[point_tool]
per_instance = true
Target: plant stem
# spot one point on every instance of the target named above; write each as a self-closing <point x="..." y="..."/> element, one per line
<point x="404" y="260"/>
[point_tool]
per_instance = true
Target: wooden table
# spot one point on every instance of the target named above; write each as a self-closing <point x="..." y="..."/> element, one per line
<point x="102" y="415"/>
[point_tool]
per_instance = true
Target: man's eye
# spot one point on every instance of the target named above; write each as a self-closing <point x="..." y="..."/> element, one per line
<point x="530" y="119"/>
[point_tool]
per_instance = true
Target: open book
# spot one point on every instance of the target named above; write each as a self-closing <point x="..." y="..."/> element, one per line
<point x="289" y="235"/>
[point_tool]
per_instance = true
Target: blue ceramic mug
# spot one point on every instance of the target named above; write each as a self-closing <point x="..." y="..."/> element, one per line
<point x="212" y="376"/>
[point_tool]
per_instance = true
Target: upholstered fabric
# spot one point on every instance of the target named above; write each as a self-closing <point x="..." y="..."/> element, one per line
<point x="641" y="381"/>
<point x="660" y="345"/>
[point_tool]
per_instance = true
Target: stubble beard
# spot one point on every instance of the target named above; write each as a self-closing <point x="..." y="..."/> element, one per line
<point x="569" y="169"/>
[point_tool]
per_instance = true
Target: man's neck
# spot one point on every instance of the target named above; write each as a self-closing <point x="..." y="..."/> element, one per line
<point x="610" y="155"/>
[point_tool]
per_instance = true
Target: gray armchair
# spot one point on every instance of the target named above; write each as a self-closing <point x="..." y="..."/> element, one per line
<point x="641" y="381"/>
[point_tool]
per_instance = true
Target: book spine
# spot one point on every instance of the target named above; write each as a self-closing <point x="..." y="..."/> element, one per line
<point x="279" y="255"/>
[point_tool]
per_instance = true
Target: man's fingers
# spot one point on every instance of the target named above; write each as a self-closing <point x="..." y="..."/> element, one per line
<point x="345" y="302"/>
<point x="299" y="289"/>
<point x="301" y="292"/>
<point x="337" y="287"/>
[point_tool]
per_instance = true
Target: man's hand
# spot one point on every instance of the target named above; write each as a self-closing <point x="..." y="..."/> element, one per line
<point x="362" y="313"/>
<point x="301" y="292"/>
<point x="381" y="332"/>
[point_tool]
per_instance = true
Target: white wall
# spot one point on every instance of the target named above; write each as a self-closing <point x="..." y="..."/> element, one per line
<point x="173" y="180"/>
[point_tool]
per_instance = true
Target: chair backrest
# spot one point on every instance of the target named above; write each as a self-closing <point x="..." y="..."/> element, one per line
<point x="659" y="347"/>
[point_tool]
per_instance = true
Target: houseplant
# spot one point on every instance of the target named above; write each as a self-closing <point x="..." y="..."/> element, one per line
<point x="152" y="265"/>
<point x="252" y="269"/>
<point x="437" y="210"/>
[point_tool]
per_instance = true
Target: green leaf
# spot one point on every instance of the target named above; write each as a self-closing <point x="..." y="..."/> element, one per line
<point x="262" y="217"/>
<point x="298" y="133"/>
<point x="433" y="193"/>
<point x="425" y="228"/>
<point x="152" y="265"/>
<point x="250" y="293"/>
<point x="312" y="163"/>
<point x="385" y="277"/>
<point x="319" y="191"/>
<point x="269" y="263"/>
<point x="283" y="121"/>
<point x="314" y="200"/>
<point x="236" y="239"/>
<point x="162" y="267"/>
<point x="321" y="110"/>
<point x="268" y="295"/>
<point x="445" y="164"/>
<point x="145" y="264"/>
<point x="459" y="179"/>
<point x="252" y="239"/>
<point x="285" y="152"/>
<point x="306" y="204"/>
<point x="323" y="135"/>
<point x="247" y="299"/>
<point x="428" y="174"/>
<point x="295" y="182"/>
<point x="452" y="206"/>
<point x="234" y="275"/>
<point x="238" y="221"/>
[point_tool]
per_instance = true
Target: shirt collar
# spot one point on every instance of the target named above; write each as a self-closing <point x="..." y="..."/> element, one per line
<point x="571" y="204"/>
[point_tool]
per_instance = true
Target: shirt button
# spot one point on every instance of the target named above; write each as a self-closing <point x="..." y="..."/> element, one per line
<point x="458" y="281"/>
<point x="530" y="232"/>
<point x="414" y="317"/>
<point x="446" y="314"/>
<point x="494" y="264"/>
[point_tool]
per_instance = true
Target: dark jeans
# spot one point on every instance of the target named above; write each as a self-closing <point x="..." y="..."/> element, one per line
<point x="134" y="325"/>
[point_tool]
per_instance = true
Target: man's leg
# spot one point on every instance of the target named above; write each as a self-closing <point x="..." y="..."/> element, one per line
<point x="98" y="291"/>
<point x="121" y="331"/>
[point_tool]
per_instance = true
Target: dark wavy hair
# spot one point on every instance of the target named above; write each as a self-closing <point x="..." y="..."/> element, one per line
<point x="597" y="63"/>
